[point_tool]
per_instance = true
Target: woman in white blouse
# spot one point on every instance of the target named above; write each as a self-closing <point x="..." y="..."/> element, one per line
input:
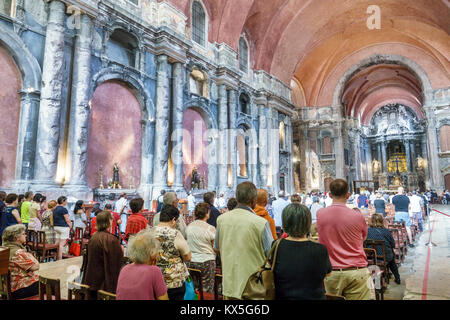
<point x="200" y="239"/>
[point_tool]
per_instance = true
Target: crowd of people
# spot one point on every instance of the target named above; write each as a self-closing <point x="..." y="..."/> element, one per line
<point x="320" y="241"/>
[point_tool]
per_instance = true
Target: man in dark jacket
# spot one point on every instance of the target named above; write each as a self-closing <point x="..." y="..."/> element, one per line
<point x="208" y="198"/>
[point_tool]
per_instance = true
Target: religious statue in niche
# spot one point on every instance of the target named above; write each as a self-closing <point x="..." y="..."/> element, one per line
<point x="195" y="178"/>
<point x="115" y="181"/>
<point x="376" y="166"/>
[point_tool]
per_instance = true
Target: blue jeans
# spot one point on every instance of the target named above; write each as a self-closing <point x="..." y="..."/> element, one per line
<point x="418" y="216"/>
<point x="403" y="216"/>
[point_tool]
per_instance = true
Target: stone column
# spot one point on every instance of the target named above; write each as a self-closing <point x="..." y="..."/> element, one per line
<point x="339" y="151"/>
<point x="412" y="149"/>
<point x="148" y="147"/>
<point x="80" y="109"/>
<point x="50" y="106"/>
<point x="26" y="146"/>
<point x="433" y="163"/>
<point x="289" y="140"/>
<point x="383" y="156"/>
<point x="161" y="125"/>
<point x="263" y="147"/>
<point x="408" y="156"/>
<point x="274" y="142"/>
<point x="178" y="72"/>
<point x="368" y="148"/>
<point x="233" y="101"/>
<point x="222" y="150"/>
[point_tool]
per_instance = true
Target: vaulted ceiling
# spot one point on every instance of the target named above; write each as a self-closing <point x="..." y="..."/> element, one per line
<point x="310" y="44"/>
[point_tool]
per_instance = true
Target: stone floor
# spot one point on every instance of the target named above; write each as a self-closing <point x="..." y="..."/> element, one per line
<point x="414" y="286"/>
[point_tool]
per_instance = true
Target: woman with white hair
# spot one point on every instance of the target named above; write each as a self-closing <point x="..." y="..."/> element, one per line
<point x="22" y="265"/>
<point x="142" y="280"/>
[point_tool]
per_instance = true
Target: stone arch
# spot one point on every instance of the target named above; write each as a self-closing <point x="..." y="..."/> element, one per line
<point x="136" y="86"/>
<point x="30" y="72"/>
<point x="412" y="66"/>
<point x="134" y="83"/>
<point x="199" y="105"/>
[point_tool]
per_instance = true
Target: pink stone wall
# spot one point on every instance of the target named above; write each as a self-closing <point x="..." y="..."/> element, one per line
<point x="194" y="146"/>
<point x="115" y="134"/>
<point x="10" y="84"/>
<point x="445" y="138"/>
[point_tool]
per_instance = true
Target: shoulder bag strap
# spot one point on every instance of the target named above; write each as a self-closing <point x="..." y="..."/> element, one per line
<point x="273" y="250"/>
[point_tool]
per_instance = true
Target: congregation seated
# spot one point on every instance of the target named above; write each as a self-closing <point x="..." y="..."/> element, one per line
<point x="142" y="279"/>
<point x="301" y="265"/>
<point x="200" y="239"/>
<point x="377" y="231"/>
<point x="22" y="264"/>
<point x="104" y="258"/>
<point x="173" y="252"/>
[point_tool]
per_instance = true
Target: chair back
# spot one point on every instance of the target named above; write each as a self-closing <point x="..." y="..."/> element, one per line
<point x="104" y="295"/>
<point x="371" y="255"/>
<point x="197" y="276"/>
<point x="78" y="233"/>
<point x="78" y="291"/>
<point x="49" y="287"/>
<point x="32" y="240"/>
<point x="380" y="248"/>
<point x="217" y="283"/>
<point x="5" y="280"/>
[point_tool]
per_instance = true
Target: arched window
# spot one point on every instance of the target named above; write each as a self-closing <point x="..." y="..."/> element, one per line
<point x="8" y="7"/>
<point x="198" y="23"/>
<point x="244" y="104"/>
<point x="243" y="55"/>
<point x="327" y="148"/>
<point x="122" y="48"/>
<point x="444" y="138"/>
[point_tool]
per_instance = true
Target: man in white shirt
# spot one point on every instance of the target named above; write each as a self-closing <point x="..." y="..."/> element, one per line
<point x="191" y="203"/>
<point x="416" y="204"/>
<point x="121" y="207"/>
<point x="278" y="207"/>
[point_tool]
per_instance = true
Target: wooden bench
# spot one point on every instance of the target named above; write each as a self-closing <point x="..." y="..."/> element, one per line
<point x="104" y="295"/>
<point x="49" y="288"/>
<point x="77" y="291"/>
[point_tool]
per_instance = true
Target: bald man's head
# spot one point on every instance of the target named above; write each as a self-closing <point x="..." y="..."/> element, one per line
<point x="262" y="197"/>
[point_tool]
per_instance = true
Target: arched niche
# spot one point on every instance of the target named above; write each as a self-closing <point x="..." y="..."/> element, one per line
<point x="122" y="47"/>
<point x="198" y="83"/>
<point x="10" y="101"/>
<point x="115" y="134"/>
<point x="195" y="147"/>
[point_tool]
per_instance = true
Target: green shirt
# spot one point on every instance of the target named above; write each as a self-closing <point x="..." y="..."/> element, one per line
<point x="25" y="212"/>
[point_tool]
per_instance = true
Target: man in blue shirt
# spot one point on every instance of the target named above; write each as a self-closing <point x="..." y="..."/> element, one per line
<point x="401" y="203"/>
<point x="363" y="202"/>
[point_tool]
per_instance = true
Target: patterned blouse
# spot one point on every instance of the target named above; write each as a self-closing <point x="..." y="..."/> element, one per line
<point x="19" y="266"/>
<point x="170" y="261"/>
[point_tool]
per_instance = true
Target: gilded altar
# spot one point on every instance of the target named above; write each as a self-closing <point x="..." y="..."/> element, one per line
<point x="397" y="162"/>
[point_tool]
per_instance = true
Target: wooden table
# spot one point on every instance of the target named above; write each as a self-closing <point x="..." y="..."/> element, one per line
<point x="66" y="270"/>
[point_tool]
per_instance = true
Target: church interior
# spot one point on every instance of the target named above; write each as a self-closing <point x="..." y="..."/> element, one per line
<point x="138" y="97"/>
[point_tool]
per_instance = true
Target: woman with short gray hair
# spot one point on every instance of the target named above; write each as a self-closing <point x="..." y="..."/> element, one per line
<point x="301" y="265"/>
<point x="142" y="280"/>
<point x="22" y="265"/>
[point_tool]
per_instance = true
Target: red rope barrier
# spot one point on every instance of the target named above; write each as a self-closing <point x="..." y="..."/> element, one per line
<point x="441" y="212"/>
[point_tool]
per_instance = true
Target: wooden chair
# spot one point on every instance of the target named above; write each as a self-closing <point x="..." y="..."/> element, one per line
<point x="398" y="250"/>
<point x="49" y="288"/>
<point x="380" y="248"/>
<point x="45" y="250"/>
<point x="104" y="295"/>
<point x="5" y="280"/>
<point x="334" y="297"/>
<point x="197" y="277"/>
<point x="372" y="260"/>
<point x="217" y="283"/>
<point x="31" y="243"/>
<point x="78" y="291"/>
<point x="79" y="235"/>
